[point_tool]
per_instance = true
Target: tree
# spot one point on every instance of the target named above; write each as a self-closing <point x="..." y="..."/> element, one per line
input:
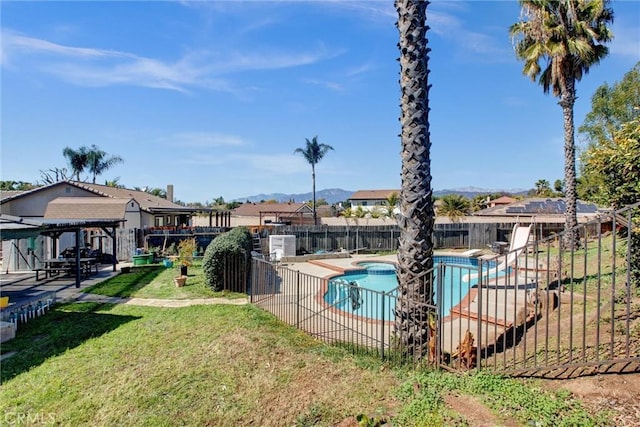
<point x="619" y="163"/>
<point x="558" y="186"/>
<point x="313" y="153"/>
<point x="54" y="175"/>
<point x="391" y="202"/>
<point x="543" y="189"/>
<point x="16" y="186"/>
<point x="611" y="107"/>
<point x="567" y="37"/>
<point x="77" y="159"/>
<point x="347" y="212"/>
<point x="114" y="183"/>
<point x="416" y="217"/>
<point x="98" y="161"/>
<point x="455" y="206"/>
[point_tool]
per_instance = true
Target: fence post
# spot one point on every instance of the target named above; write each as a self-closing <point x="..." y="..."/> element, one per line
<point x="384" y="295"/>
<point x="298" y="299"/>
<point x="480" y="314"/>
<point x="439" y="311"/>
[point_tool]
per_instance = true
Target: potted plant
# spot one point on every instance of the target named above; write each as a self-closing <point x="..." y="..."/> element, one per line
<point x="180" y="281"/>
<point x="186" y="248"/>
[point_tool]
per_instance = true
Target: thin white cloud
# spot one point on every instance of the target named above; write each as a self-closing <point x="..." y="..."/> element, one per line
<point x="203" y="140"/>
<point x="451" y="27"/>
<point x="17" y="43"/>
<point x="100" y="67"/>
<point x="361" y="69"/>
<point x="334" y="86"/>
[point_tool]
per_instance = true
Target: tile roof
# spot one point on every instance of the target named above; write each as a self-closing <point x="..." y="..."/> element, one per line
<point x="87" y="208"/>
<point x="9" y="193"/>
<point x="373" y="194"/>
<point x="147" y="201"/>
<point x="503" y="200"/>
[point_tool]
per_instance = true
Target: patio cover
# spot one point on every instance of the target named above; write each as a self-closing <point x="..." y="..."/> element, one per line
<point x="13" y="227"/>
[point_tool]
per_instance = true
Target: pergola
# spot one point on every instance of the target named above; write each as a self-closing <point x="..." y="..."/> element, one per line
<point x="12" y="228"/>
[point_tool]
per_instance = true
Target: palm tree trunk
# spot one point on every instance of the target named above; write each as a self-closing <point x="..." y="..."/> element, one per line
<point x="415" y="252"/>
<point x="313" y="179"/>
<point x="567" y="101"/>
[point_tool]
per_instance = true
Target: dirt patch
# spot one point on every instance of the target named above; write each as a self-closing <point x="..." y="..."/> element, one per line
<point x="474" y="412"/>
<point x="617" y="394"/>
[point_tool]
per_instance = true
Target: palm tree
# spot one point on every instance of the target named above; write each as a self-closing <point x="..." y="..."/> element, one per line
<point x="313" y="153"/>
<point x="78" y="160"/>
<point x="98" y="161"/>
<point x="115" y="183"/>
<point x="415" y="251"/>
<point x="566" y="37"/>
<point x="455" y="206"/>
<point x="543" y="188"/>
<point x="391" y="202"/>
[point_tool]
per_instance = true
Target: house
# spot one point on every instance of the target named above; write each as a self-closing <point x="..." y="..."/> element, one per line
<point x="370" y="200"/>
<point x="258" y="214"/>
<point x="501" y="201"/>
<point x="72" y="200"/>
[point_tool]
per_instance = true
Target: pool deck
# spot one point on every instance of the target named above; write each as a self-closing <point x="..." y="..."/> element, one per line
<point x="489" y="314"/>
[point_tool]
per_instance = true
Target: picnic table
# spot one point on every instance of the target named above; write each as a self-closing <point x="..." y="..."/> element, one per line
<point x="57" y="266"/>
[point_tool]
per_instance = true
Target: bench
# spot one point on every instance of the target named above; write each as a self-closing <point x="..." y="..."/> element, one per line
<point x="51" y="271"/>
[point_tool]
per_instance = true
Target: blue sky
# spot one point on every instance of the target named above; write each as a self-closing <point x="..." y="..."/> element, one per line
<point x="214" y="97"/>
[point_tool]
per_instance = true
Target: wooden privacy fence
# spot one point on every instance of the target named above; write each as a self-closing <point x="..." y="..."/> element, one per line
<point x="465" y="235"/>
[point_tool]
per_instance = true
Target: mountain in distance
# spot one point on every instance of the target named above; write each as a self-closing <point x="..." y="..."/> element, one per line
<point x="331" y="195"/>
<point x="471" y="192"/>
<point x="336" y="195"/>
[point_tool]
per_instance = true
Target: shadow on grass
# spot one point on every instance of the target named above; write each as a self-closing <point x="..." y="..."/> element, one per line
<point x="63" y="328"/>
<point x="126" y="284"/>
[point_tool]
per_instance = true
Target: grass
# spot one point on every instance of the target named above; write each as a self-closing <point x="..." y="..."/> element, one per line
<point x="156" y="281"/>
<point x="104" y="364"/>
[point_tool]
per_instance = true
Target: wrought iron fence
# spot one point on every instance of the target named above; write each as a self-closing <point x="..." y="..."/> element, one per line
<point x="547" y="308"/>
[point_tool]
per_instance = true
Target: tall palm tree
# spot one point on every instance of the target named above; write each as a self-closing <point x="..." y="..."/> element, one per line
<point x="78" y="160"/>
<point x="415" y="251"/>
<point x="313" y="153"/>
<point x="559" y="40"/>
<point x="98" y="161"/>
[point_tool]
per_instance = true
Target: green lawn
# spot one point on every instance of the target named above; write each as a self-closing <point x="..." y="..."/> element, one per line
<point x="156" y="281"/>
<point x="104" y="365"/>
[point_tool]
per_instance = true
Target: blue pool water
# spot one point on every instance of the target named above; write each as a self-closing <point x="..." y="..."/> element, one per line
<point x="372" y="293"/>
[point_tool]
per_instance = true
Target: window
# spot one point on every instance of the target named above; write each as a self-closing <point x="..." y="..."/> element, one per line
<point x="159" y="221"/>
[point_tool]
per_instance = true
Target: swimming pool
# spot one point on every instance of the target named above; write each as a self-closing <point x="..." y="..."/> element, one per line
<point x="372" y="292"/>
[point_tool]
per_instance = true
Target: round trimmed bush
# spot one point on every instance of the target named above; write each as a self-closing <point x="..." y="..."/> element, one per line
<point x="228" y="255"/>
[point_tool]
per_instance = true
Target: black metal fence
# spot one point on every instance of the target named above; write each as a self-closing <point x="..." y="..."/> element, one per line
<point x="547" y="308"/>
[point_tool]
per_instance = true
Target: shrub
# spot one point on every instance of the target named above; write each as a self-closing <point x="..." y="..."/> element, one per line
<point x="232" y="245"/>
<point x="186" y="249"/>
